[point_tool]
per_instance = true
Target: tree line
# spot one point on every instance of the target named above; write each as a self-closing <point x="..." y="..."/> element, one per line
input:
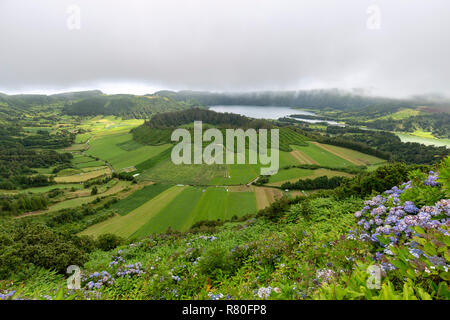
<point x="385" y="145"/>
<point x="175" y="119"/>
<point x="313" y="184"/>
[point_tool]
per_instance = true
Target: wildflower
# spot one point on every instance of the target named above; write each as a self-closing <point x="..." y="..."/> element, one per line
<point x="215" y="296"/>
<point x="264" y="293"/>
<point x="176" y="278"/>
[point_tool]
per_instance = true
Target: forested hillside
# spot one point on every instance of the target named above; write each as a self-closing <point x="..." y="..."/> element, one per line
<point x="125" y="106"/>
<point x="318" y="99"/>
<point x="231" y="120"/>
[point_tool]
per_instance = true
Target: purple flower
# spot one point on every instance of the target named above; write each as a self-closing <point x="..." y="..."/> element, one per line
<point x="409" y="207"/>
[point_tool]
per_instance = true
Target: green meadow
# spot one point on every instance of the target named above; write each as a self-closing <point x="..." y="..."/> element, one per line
<point x="289" y="174"/>
<point x="138" y="198"/>
<point x="197" y="204"/>
<point x="177" y="207"/>
<point x="126" y="225"/>
<point x="406" y="137"/>
<point x="112" y="148"/>
<point x="321" y="156"/>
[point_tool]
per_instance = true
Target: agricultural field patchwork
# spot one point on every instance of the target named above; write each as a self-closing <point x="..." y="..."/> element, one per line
<point x="178" y="207"/>
<point x="177" y="196"/>
<point x="128" y="224"/>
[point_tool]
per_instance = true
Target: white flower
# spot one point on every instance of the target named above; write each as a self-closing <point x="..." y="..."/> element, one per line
<point x="264" y="293"/>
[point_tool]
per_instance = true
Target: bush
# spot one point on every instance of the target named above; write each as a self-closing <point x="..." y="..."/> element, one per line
<point x="216" y="262"/>
<point x="108" y="241"/>
<point x="303" y="209"/>
<point x="276" y="210"/>
<point x="10" y="262"/>
<point x="43" y="247"/>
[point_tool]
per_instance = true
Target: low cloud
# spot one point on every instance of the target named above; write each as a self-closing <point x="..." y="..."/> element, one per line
<point x="220" y="45"/>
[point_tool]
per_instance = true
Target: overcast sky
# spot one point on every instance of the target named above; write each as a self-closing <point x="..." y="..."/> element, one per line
<point x="389" y="47"/>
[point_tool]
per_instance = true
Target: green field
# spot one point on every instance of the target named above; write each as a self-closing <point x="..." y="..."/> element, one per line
<point x="178" y="208"/>
<point x="105" y="125"/>
<point x="406" y="137"/>
<point x="160" y="168"/>
<point x="286" y="159"/>
<point x="90" y="164"/>
<point x="289" y="174"/>
<point x="74" y="176"/>
<point x="355" y="157"/>
<point x="113" y="148"/>
<point x="277" y="181"/>
<point x="237" y="174"/>
<point x="175" y="214"/>
<point x="82" y="138"/>
<point x="138" y="198"/>
<point x="400" y="114"/>
<point x="200" y="174"/>
<point x="48" y="188"/>
<point x="322" y="157"/>
<point x="196" y="204"/>
<point x="128" y="224"/>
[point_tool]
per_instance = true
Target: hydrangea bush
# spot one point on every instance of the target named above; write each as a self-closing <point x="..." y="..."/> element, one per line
<point x="409" y="243"/>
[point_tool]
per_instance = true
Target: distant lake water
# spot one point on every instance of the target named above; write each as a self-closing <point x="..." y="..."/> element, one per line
<point x="260" y="112"/>
<point x="268" y="112"/>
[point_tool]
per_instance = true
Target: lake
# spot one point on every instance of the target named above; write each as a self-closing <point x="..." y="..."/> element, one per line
<point x="268" y="112"/>
<point x="260" y="112"/>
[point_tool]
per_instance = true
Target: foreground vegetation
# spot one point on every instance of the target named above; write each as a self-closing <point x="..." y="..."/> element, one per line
<point x="316" y="247"/>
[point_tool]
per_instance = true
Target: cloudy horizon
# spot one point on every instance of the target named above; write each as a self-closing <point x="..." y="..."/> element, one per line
<point x="394" y="48"/>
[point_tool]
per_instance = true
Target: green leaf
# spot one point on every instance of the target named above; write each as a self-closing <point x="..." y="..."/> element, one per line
<point x="422" y="294"/>
<point x="443" y="290"/>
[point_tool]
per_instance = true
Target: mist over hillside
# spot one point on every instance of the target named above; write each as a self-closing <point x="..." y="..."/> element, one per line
<point x="319" y="98"/>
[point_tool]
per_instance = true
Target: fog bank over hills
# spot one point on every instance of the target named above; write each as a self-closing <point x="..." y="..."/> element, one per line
<point x="324" y="98"/>
<point x="226" y="45"/>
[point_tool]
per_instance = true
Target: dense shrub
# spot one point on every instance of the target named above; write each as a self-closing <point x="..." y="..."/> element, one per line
<point x="383" y="178"/>
<point x="108" y="241"/>
<point x="14" y="205"/>
<point x="314" y="184"/>
<point x="37" y="244"/>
